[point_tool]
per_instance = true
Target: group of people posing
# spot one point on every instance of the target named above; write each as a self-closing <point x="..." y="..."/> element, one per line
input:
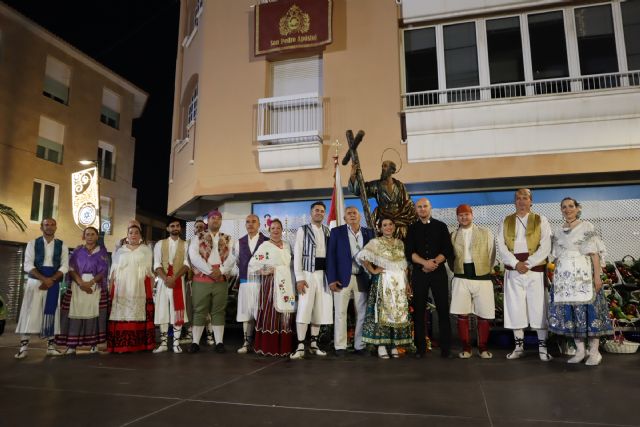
<point x="285" y="293"/>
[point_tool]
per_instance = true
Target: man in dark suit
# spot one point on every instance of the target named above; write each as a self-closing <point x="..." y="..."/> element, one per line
<point x="345" y="277"/>
<point x="428" y="246"/>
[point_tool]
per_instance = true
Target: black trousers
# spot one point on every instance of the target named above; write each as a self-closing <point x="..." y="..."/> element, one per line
<point x="440" y="289"/>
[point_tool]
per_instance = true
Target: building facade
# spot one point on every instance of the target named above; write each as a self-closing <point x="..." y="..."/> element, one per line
<point x="57" y="107"/>
<point x="468" y="95"/>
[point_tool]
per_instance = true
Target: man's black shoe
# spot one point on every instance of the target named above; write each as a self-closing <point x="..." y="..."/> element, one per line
<point x="341" y="353"/>
<point x="220" y="348"/>
<point x="193" y="348"/>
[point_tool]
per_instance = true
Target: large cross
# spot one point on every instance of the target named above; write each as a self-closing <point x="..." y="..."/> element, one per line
<point x="352" y="155"/>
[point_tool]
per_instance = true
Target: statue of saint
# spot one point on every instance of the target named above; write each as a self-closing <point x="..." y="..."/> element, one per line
<point x="392" y="197"/>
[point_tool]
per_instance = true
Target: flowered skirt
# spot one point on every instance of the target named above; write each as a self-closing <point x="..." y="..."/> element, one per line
<point x="376" y="333"/>
<point x="583" y="320"/>
<point x="130" y="336"/>
<point x="274" y="334"/>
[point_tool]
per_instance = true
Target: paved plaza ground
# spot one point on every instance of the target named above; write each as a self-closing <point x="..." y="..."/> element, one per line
<point x="209" y="389"/>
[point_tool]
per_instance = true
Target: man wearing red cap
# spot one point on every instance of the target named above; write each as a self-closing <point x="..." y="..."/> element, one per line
<point x="212" y="258"/>
<point x="472" y="288"/>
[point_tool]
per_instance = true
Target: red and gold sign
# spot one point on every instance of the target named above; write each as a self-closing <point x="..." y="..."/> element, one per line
<point x="292" y="24"/>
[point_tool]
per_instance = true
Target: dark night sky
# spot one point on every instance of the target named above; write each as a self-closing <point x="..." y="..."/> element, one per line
<point x="137" y="39"/>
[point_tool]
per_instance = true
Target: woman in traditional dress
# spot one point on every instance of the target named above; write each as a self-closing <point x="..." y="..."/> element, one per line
<point x="578" y="307"/>
<point x="131" y="325"/>
<point x="271" y="266"/>
<point x="83" y="311"/>
<point x="387" y="320"/>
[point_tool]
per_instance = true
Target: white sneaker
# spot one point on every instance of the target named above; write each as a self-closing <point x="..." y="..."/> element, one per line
<point x="594" y="359"/>
<point x="545" y="357"/>
<point x="382" y="352"/>
<point x="517" y="353"/>
<point x="464" y="355"/>
<point x="244" y="349"/>
<point x="176" y="347"/>
<point x="52" y="351"/>
<point x="161" y="348"/>
<point x="298" y="354"/>
<point x="22" y="353"/>
<point x="314" y="349"/>
<point x="486" y="354"/>
<point x="578" y="357"/>
<point x="395" y="353"/>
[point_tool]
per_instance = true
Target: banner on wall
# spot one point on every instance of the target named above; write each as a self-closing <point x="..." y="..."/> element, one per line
<point x="86" y="198"/>
<point x="292" y="24"/>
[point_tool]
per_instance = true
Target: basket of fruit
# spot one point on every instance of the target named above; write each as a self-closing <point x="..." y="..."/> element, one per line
<point x="629" y="270"/>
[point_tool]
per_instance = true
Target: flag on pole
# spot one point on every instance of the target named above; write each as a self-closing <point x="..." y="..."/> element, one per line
<point x="336" y="211"/>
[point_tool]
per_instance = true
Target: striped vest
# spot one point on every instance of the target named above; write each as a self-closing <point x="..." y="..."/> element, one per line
<point x="309" y="247"/>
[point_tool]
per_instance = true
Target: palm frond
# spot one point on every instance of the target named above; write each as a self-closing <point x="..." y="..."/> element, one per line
<point x="7" y="213"/>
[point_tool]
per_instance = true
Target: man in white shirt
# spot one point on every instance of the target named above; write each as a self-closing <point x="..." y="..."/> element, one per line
<point x="171" y="263"/>
<point x="524" y="242"/>
<point x="212" y="259"/>
<point x="248" y="290"/>
<point x="472" y="289"/>
<point x="46" y="261"/>
<point x="315" y="300"/>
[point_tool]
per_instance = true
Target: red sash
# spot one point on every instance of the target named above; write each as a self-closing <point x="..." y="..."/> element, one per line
<point x="178" y="298"/>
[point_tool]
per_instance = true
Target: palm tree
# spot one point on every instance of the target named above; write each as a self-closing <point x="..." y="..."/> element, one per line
<point x="7" y="213"/>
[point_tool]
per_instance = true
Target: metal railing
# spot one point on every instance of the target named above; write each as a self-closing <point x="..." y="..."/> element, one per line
<point x="293" y="118"/>
<point x="521" y="89"/>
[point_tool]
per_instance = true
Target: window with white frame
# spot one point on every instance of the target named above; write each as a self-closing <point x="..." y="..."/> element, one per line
<point x="533" y="53"/>
<point x="106" y="214"/>
<point x="57" y="77"/>
<point x="631" y="25"/>
<point x="107" y="160"/>
<point x="44" y="200"/>
<point x="192" y="109"/>
<point x="110" y="111"/>
<point x="195" y="9"/>
<point x="50" y="140"/>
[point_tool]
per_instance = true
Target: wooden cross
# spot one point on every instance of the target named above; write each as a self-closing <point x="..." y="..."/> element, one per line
<point x="352" y="155"/>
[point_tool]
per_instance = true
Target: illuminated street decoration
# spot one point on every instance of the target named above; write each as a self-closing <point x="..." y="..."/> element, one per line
<point x="86" y="198"/>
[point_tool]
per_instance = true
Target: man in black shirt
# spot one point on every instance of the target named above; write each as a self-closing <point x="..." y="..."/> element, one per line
<point x="428" y="246"/>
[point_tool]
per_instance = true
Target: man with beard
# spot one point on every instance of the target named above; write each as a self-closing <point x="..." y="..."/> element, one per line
<point x="315" y="302"/>
<point x="248" y="291"/>
<point x="393" y="200"/>
<point x="47" y="261"/>
<point x="427" y="247"/>
<point x="212" y="259"/>
<point x="170" y="263"/>
<point x="472" y="288"/>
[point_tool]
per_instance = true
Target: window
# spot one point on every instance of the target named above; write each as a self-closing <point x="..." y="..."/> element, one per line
<point x="297" y="76"/>
<point x="56" y="80"/>
<point x="50" y="138"/>
<point x="631" y="25"/>
<point x="110" y="112"/>
<point x="596" y="41"/>
<point x="106" y="214"/>
<point x="548" y="51"/>
<point x="44" y="200"/>
<point x="421" y="62"/>
<point x="504" y="45"/>
<point x="107" y="160"/>
<point x="197" y="11"/>
<point x="461" y="60"/>
<point x="192" y="110"/>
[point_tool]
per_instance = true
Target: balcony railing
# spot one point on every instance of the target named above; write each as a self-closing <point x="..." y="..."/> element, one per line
<point x="521" y="89"/>
<point x="286" y="119"/>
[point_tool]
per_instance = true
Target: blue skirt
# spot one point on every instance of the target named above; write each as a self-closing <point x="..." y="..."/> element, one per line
<point x="582" y="321"/>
